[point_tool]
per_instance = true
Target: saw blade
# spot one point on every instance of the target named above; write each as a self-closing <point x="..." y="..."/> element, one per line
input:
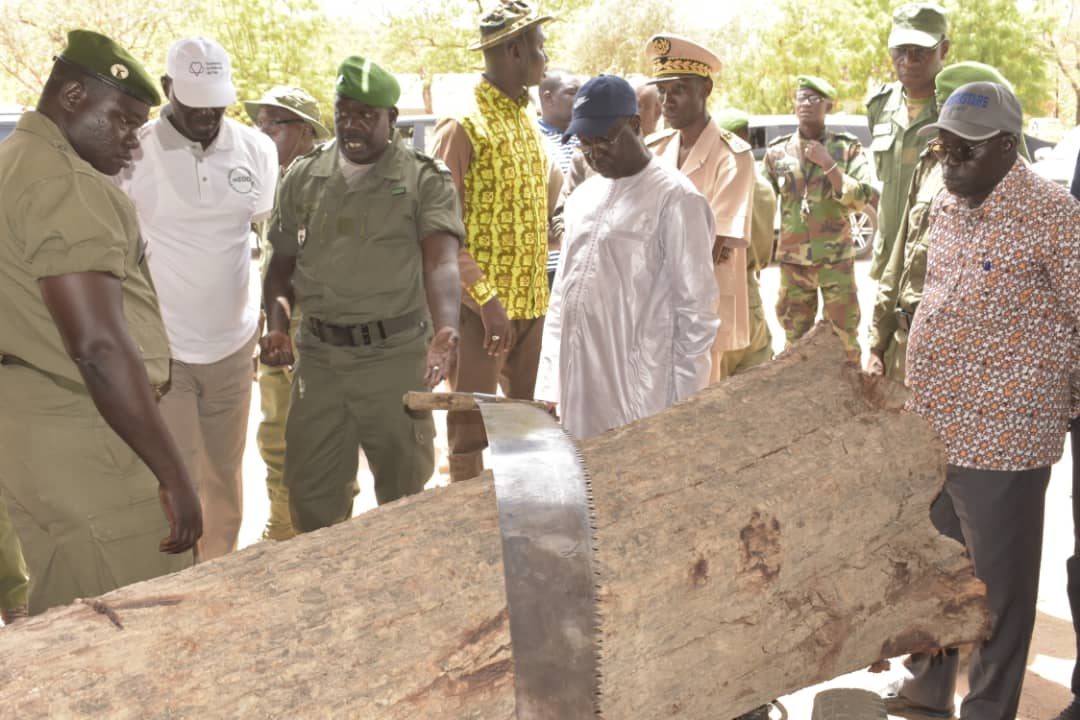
<point x="546" y="519"/>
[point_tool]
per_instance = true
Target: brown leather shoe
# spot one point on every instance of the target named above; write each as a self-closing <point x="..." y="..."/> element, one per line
<point x="12" y="615"/>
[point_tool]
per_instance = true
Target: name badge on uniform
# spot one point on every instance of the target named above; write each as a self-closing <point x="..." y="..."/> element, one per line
<point x="399" y="190"/>
<point x="301" y="235"/>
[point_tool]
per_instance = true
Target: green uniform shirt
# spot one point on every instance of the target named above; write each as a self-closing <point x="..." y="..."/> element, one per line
<point x="357" y="242"/>
<point x="814" y="226"/>
<point x="62" y="216"/>
<point x="902" y="279"/>
<point x="896" y="147"/>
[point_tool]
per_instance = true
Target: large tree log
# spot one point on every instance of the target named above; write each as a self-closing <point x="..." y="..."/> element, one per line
<point x="770" y="533"/>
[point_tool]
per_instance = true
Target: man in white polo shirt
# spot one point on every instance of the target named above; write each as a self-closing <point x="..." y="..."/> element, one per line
<point x="198" y="181"/>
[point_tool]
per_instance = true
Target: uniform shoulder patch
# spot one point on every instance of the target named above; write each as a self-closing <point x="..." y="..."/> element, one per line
<point x="736" y="143"/>
<point x="781" y="139"/>
<point x="435" y="162"/>
<point x="659" y="136"/>
<point x="878" y="96"/>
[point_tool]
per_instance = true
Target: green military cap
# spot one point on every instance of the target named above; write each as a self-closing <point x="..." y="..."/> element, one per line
<point x="922" y="24"/>
<point x="297" y="101"/>
<point x="954" y="76"/>
<point x="103" y="58"/>
<point x="732" y="119"/>
<point x="365" y="81"/>
<point x="821" y="87"/>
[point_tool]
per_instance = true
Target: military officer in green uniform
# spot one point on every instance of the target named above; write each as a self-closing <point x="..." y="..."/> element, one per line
<point x="366" y="234"/>
<point x="900" y="288"/>
<point x="896" y="112"/>
<point x="94" y="484"/>
<point x="758" y="256"/>
<point x="820" y="178"/>
<point x="290" y="117"/>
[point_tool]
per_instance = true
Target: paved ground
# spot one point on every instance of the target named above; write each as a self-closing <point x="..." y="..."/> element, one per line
<point x="1046" y="688"/>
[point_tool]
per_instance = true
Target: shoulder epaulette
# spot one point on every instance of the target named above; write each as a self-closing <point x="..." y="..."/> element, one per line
<point x="781" y="139"/>
<point x="438" y="164"/>
<point x="736" y="143"/>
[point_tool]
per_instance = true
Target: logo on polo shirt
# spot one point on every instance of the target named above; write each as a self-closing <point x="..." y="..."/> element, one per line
<point x="241" y="180"/>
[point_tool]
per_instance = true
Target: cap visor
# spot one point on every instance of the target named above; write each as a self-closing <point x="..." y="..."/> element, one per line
<point x="968" y="131"/>
<point x="204" y="95"/>
<point x="668" y="78"/>
<point x="589" y="126"/>
<point x="503" y="36"/>
<point x="907" y="36"/>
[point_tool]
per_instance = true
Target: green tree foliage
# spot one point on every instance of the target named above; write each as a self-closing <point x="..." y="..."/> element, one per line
<point x="608" y="36"/>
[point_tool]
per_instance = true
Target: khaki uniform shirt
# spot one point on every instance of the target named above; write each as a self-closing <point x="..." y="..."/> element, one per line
<point x="721" y="167"/>
<point x="896" y="147"/>
<point x="62" y="216"/>
<point x="357" y="241"/>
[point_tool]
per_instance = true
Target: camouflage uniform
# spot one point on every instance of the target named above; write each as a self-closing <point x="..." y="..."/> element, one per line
<point x="901" y="284"/>
<point x="816" y="249"/>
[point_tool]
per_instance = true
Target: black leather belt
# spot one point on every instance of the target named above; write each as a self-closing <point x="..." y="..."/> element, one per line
<point x="364" y="333"/>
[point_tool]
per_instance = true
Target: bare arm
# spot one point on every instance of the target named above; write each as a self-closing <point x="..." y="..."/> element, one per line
<point x="87" y="308"/>
<point x="275" y="347"/>
<point x="443" y="288"/>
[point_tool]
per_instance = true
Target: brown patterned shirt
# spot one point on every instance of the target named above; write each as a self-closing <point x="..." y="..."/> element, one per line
<point x="991" y="348"/>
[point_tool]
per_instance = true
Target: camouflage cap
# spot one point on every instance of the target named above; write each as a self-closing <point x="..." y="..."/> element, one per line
<point x="922" y="24"/>
<point x="732" y="119"/>
<point x="506" y="21"/>
<point x="365" y="81"/>
<point x="103" y="58"/>
<point x="818" y="85"/>
<point x="673" y="57"/>
<point x="297" y="101"/>
<point x="954" y="76"/>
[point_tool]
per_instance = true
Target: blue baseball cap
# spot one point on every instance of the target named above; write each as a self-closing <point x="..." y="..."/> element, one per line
<point x="599" y="103"/>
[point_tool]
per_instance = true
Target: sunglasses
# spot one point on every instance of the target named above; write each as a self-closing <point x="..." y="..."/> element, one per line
<point x="916" y="52"/>
<point x="964" y="152"/>
<point x="809" y="99"/>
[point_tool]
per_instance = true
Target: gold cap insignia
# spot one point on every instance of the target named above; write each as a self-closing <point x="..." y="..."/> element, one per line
<point x="661" y="45"/>
<point x="119" y="71"/>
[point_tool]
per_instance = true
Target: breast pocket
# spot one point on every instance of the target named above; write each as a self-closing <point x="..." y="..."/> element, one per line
<point x="880" y="148"/>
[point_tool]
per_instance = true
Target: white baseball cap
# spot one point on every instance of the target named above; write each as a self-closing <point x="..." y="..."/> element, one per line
<point x="201" y="73"/>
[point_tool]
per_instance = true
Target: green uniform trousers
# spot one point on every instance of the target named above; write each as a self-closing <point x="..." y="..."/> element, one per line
<point x="760" y="348"/>
<point x="896" y="356"/>
<point x="348" y="398"/>
<point x="275" y="386"/>
<point x="84" y="505"/>
<point x="14" y="580"/>
<point x="797" y="304"/>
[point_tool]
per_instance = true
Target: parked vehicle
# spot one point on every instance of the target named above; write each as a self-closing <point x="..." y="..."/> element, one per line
<point x="8" y="118"/>
<point x="417" y="128"/>
<point x="1060" y="164"/>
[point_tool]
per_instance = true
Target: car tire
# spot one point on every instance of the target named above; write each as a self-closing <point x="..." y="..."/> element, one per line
<point x="863" y="227"/>
<point x="848" y="704"/>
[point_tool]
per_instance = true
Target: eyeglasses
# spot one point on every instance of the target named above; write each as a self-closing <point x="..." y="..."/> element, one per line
<point x="809" y="99"/>
<point x="587" y="143"/>
<point x="960" y="153"/>
<point x="915" y="52"/>
<point x="266" y="124"/>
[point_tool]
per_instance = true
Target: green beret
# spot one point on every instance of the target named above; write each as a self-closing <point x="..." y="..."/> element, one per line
<point x="365" y="81"/>
<point x="104" y="59"/>
<point x="732" y="119"/>
<point x="822" y="87"/>
<point x="954" y="76"/>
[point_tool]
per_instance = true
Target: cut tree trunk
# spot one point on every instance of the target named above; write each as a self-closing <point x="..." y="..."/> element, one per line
<point x="770" y="533"/>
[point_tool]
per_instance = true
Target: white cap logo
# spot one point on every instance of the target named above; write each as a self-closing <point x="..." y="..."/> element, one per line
<point x="581" y="101"/>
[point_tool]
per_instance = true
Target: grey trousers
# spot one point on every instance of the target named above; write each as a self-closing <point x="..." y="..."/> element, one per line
<point x="999" y="517"/>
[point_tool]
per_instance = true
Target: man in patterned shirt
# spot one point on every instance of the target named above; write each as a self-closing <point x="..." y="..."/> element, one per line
<point x="989" y="360"/>
<point x="496" y="156"/>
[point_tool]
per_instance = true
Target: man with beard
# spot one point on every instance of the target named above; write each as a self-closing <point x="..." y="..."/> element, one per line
<point x="366" y="234"/>
<point x="989" y="359"/>
<point x="632" y="314"/>
<point x="290" y="117"/>
<point x="502" y="174"/>
<point x="86" y="463"/>
<point x="198" y="182"/>
<point x="721" y="167"/>
<point x="820" y="177"/>
<point x="897" y="111"/>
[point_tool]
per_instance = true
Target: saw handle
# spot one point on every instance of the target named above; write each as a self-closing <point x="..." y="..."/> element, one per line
<point x="439" y="401"/>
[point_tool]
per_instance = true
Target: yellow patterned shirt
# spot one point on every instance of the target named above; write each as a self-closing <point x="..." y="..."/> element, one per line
<point x="505" y="190"/>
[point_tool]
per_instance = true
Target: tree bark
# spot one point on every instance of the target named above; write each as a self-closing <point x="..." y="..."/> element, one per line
<point x="770" y="533"/>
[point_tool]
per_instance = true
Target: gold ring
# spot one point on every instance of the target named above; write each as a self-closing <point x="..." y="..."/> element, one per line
<point x="495" y="338"/>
